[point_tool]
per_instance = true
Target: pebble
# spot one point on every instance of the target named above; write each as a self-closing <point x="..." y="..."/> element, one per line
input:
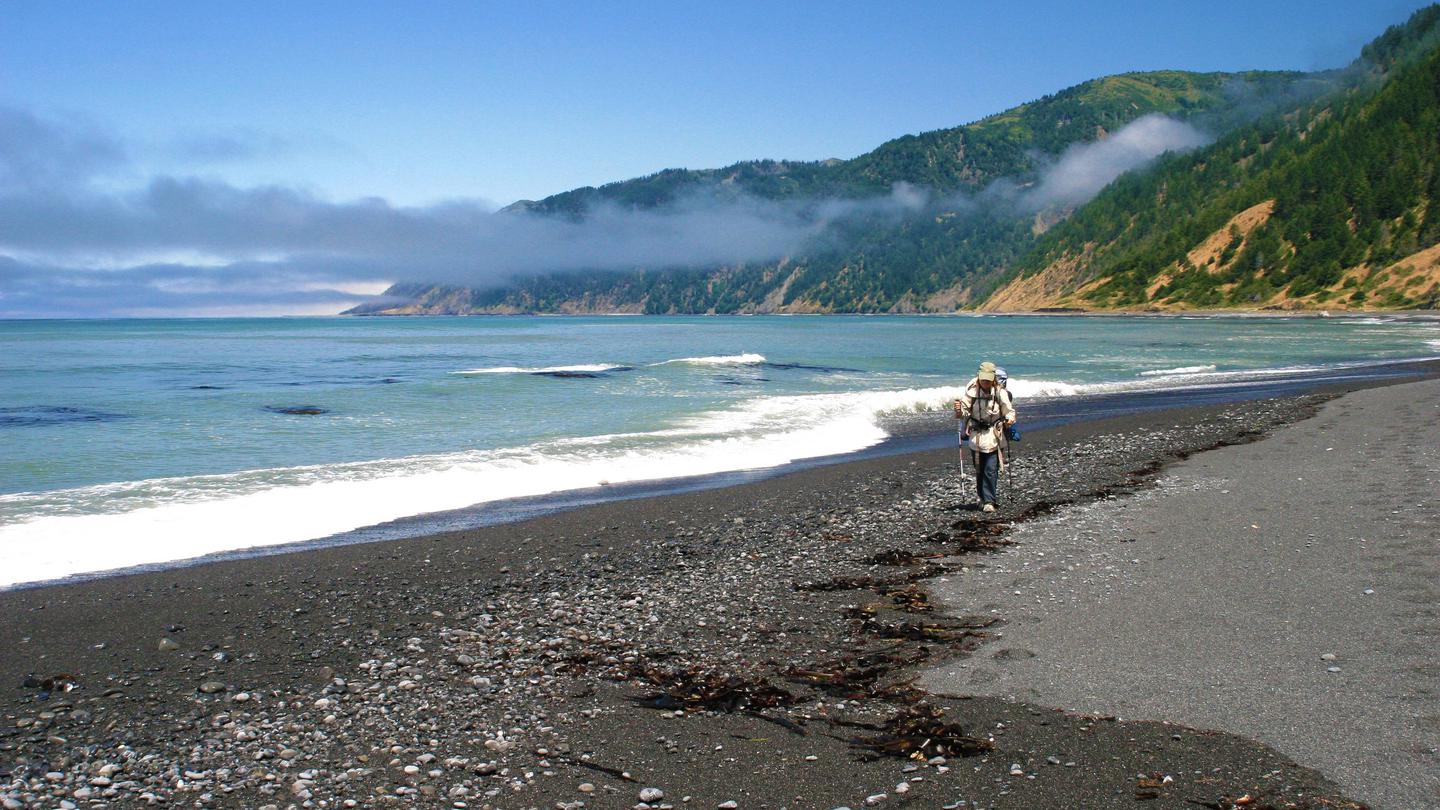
<point x="730" y="805"/>
<point x="651" y="794"/>
<point x="167" y="645"/>
<point x="1327" y="657"/>
<point x="212" y="687"/>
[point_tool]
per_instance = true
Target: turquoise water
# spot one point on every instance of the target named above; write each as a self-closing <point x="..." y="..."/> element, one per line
<point x="139" y="441"/>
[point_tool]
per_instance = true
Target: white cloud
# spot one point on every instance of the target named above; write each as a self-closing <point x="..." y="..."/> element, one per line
<point x="1084" y="169"/>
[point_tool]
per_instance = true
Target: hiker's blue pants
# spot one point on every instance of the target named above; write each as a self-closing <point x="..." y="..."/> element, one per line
<point x="987" y="475"/>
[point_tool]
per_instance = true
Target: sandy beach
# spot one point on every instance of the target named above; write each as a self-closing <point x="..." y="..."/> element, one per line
<point x="1285" y="591"/>
<point x="757" y="646"/>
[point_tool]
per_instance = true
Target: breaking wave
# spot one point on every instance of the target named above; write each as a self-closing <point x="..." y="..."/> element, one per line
<point x="748" y="359"/>
<point x="55" y="534"/>
<point x="592" y="368"/>
<point x="1171" y="372"/>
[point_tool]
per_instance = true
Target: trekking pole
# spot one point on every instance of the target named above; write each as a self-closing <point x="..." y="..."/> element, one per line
<point x="1009" y="476"/>
<point x="1009" y="457"/>
<point x="960" y="436"/>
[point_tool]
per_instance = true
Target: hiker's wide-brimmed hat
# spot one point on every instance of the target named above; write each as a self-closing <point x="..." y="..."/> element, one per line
<point x="986" y="372"/>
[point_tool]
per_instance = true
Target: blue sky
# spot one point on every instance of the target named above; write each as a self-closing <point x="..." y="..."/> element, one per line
<point x="508" y="100"/>
<point x="412" y="107"/>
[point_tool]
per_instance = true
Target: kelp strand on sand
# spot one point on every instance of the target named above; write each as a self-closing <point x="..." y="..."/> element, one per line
<point x="899" y="556"/>
<point x="702" y="689"/>
<point x="919" y="731"/>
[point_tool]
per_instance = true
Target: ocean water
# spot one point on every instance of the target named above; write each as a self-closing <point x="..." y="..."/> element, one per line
<point x="140" y="442"/>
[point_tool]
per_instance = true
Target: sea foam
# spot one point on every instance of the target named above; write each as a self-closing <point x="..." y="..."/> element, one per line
<point x="113" y="526"/>
<point x="1171" y="372"/>
<point x="584" y="367"/>
<point x="748" y="359"/>
<point x="55" y="534"/>
<point x="51" y="536"/>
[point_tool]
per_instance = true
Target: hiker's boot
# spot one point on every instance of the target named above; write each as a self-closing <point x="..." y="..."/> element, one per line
<point x="989" y="507"/>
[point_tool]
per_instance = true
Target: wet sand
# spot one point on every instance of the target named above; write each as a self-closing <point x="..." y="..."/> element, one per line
<point x="680" y="643"/>
<point x="1287" y="591"/>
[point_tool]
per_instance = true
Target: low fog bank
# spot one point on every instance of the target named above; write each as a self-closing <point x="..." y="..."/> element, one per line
<point x="76" y="239"/>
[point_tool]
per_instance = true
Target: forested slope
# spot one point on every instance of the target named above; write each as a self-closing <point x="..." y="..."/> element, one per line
<point x="1334" y="204"/>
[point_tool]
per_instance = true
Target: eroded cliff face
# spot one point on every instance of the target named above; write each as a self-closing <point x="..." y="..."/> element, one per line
<point x="1208" y="252"/>
<point x="1416" y="273"/>
<point x="1051" y="288"/>
<point x="1064" y="283"/>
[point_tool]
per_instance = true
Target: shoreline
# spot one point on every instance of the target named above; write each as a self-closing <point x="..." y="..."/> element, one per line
<point x="1417" y="314"/>
<point x="1403" y="314"/>
<point x="512" y="666"/>
<point x="915" y="433"/>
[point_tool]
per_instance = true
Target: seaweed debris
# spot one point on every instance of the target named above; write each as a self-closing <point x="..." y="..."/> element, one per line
<point x="975" y="535"/>
<point x="858" y="676"/>
<point x="941" y="631"/>
<point x="898" y="556"/>
<point x="909" y="598"/>
<point x="920" y="732"/>
<point x="694" y="688"/>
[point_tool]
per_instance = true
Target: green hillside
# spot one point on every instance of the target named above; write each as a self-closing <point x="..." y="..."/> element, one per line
<point x="1344" y="196"/>
<point x="939" y="260"/>
<point x="960" y="158"/>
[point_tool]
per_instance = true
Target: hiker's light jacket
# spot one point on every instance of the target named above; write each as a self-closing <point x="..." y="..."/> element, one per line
<point x="986" y="414"/>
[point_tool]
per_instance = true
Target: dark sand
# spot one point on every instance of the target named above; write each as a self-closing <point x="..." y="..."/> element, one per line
<point x="1287" y="591"/>
<point x="518" y="665"/>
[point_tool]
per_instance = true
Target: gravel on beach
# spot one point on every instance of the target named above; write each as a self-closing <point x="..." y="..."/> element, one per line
<point x="755" y="646"/>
